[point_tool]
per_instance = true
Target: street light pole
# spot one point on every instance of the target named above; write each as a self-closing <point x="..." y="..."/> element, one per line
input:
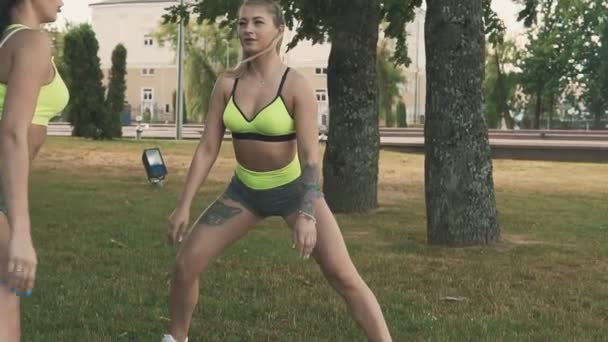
<point x="180" y="76"/>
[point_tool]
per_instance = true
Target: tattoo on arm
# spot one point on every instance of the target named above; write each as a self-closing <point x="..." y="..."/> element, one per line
<point x="218" y="213"/>
<point x="312" y="188"/>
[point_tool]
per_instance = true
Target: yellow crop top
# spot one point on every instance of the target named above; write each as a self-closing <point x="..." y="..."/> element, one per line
<point x="53" y="97"/>
<point x="271" y="123"/>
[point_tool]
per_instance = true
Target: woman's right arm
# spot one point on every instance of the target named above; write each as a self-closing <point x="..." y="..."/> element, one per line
<point x="29" y="72"/>
<point x="204" y="157"/>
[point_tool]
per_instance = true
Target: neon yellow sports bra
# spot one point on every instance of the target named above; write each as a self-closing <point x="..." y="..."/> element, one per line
<point x="53" y="97"/>
<point x="271" y="123"/>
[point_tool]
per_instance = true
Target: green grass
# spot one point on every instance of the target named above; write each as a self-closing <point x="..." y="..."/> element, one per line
<point x="104" y="265"/>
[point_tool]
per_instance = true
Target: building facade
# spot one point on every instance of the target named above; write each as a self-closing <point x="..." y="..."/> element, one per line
<point x="152" y="69"/>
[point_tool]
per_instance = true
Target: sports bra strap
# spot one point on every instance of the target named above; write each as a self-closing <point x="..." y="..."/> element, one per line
<point x="10" y="31"/>
<point x="236" y="81"/>
<point x="282" y="82"/>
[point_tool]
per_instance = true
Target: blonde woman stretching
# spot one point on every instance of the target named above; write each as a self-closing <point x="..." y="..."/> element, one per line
<point x="272" y="113"/>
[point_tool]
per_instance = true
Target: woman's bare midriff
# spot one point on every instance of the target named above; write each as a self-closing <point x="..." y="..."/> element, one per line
<point x="264" y="156"/>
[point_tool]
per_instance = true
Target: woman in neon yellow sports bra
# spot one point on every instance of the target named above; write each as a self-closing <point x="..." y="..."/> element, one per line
<point x="271" y="112"/>
<point x="31" y="92"/>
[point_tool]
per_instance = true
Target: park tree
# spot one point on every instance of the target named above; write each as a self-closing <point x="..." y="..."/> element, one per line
<point x="592" y="57"/>
<point x="401" y="115"/>
<point x="566" y="56"/>
<point x="389" y="80"/>
<point x="459" y="187"/>
<point x="500" y="84"/>
<point x="545" y="61"/>
<point x="86" y="110"/>
<point x="115" y="100"/>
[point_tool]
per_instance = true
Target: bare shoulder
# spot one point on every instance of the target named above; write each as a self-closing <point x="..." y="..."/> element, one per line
<point x="223" y="86"/>
<point x="297" y="79"/>
<point x="35" y="42"/>
<point x="298" y="84"/>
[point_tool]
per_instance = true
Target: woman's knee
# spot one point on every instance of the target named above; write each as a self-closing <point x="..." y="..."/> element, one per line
<point x="186" y="269"/>
<point x="344" y="279"/>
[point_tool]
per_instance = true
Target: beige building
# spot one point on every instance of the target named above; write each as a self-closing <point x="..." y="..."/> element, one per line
<point x="152" y="71"/>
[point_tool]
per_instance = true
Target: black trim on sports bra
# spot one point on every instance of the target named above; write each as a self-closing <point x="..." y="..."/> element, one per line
<point x="236" y="81"/>
<point x="261" y="137"/>
<point x="282" y="82"/>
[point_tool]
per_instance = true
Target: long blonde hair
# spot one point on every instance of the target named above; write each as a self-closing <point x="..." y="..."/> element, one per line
<point x="279" y="20"/>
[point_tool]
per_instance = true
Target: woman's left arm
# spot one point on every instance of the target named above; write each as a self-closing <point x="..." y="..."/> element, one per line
<point x="307" y="133"/>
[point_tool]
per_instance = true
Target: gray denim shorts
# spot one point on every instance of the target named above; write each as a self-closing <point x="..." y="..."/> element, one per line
<point x="280" y="201"/>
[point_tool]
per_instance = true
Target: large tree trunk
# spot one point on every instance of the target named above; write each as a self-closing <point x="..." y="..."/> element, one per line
<point x="460" y="201"/>
<point x="350" y="169"/>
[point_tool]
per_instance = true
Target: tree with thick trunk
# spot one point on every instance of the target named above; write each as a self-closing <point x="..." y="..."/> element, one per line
<point x="350" y="165"/>
<point x="459" y="187"/>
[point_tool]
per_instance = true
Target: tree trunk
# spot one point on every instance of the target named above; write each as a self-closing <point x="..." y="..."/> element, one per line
<point x="459" y="187"/>
<point x="350" y="169"/>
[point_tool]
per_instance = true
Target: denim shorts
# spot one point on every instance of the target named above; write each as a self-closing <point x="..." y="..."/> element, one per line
<point x="281" y="201"/>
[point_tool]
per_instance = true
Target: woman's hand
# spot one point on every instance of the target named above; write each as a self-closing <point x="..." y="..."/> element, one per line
<point x="304" y="236"/>
<point x="178" y="224"/>
<point x="22" y="263"/>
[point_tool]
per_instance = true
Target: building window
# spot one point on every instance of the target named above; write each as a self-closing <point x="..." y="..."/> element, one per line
<point x="147" y="94"/>
<point x="147" y="71"/>
<point x="321" y="95"/>
<point x="148" y="41"/>
<point x="167" y="108"/>
<point x="321" y="71"/>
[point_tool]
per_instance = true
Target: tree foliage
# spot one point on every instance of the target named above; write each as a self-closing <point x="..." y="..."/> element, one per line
<point x="86" y="110"/>
<point x="315" y="19"/>
<point x="390" y="79"/>
<point x="500" y="84"/>
<point x="115" y="100"/>
<point x="566" y="62"/>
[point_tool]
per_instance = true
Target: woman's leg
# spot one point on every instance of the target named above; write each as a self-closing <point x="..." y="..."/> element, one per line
<point x="10" y="330"/>
<point x="223" y="223"/>
<point x="332" y="256"/>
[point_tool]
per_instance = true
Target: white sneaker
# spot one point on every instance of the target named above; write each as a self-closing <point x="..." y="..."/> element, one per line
<point x="169" y="338"/>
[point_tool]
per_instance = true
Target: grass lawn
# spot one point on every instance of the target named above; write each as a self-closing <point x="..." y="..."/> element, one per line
<point x="99" y="229"/>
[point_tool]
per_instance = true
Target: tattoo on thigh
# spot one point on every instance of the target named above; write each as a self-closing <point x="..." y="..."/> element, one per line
<point x="219" y="213"/>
